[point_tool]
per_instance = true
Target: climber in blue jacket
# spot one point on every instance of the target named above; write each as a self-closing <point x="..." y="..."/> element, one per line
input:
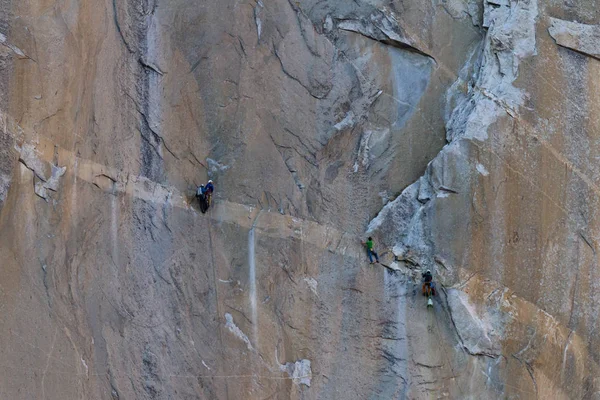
<point x="208" y="191"/>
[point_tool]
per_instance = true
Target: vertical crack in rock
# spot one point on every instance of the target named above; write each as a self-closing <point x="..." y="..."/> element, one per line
<point x="526" y="363"/>
<point x="151" y="374"/>
<point x="411" y="75"/>
<point x="394" y="378"/>
<point x="118" y="27"/>
<point x="149" y="92"/>
<point x="135" y="22"/>
<point x="317" y="94"/>
<point x="306" y="57"/>
<point x="45" y="281"/>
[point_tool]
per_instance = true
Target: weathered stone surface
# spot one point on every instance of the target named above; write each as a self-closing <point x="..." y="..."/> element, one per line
<point x="471" y="329"/>
<point x="429" y="124"/>
<point x="299" y="371"/>
<point x="576" y="36"/>
<point x="498" y="222"/>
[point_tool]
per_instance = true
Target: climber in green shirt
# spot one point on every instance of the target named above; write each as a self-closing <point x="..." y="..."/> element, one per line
<point x="370" y="251"/>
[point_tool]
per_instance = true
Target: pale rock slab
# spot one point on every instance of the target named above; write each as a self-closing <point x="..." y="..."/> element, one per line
<point x="234" y="329"/>
<point x="471" y="328"/>
<point x="300" y="372"/>
<point x="576" y="36"/>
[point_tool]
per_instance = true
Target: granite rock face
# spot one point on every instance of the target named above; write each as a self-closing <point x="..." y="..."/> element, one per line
<point x="579" y="37"/>
<point x="505" y="216"/>
<point x="460" y="134"/>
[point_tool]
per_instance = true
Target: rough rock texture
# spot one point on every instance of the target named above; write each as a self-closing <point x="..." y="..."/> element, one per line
<point x="579" y="37"/>
<point x="456" y="132"/>
<point x="505" y="213"/>
<point x="474" y="333"/>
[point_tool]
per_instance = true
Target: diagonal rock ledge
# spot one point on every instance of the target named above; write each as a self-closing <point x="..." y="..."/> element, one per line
<point x="381" y="28"/>
<point x="579" y="37"/>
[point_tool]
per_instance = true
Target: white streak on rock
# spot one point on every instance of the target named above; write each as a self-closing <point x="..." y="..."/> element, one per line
<point x="85" y="365"/>
<point x="328" y="24"/>
<point x="300" y="372"/>
<point x="363" y="151"/>
<point x="312" y="284"/>
<point x="481" y="169"/>
<point x="15" y="49"/>
<point x="229" y="324"/>
<point x="4" y="186"/>
<point x="57" y="173"/>
<point x="347" y="122"/>
<point x="398" y="210"/>
<point x="472" y="330"/>
<point x="395" y="266"/>
<point x="257" y="12"/>
<point x="214" y="166"/>
<point x="252" y="279"/>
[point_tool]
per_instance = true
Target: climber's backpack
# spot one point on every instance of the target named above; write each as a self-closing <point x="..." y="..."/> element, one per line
<point x="202" y="201"/>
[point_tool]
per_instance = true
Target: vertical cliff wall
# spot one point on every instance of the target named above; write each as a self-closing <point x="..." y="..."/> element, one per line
<point x="505" y="212"/>
<point x="459" y="133"/>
